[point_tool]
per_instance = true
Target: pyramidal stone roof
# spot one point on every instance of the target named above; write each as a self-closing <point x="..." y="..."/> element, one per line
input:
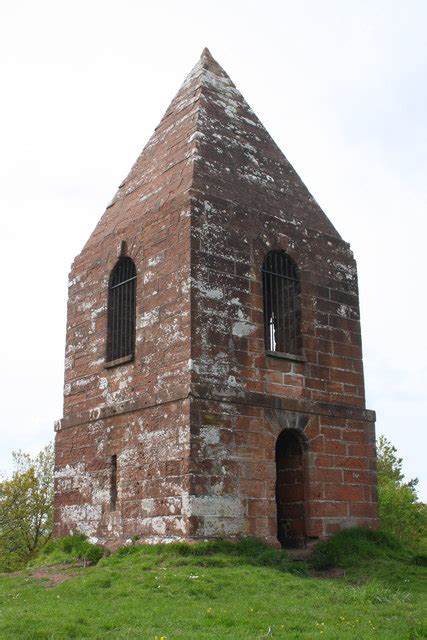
<point x="211" y="143"/>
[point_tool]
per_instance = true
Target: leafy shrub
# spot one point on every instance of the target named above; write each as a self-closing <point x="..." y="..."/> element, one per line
<point x="69" y="549"/>
<point x="400" y="511"/>
<point x="350" y="546"/>
<point x="26" y="500"/>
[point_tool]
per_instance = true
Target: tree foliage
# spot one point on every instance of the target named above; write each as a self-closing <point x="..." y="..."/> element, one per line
<point x="400" y="511"/>
<point x="26" y="501"/>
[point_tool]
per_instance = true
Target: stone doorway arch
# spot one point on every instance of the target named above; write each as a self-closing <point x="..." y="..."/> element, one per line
<point x="290" y="489"/>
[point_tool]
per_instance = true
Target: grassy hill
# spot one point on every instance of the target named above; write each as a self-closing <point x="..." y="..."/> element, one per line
<point x="360" y="585"/>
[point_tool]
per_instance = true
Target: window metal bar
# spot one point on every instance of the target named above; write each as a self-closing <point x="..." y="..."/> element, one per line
<point x="113" y="483"/>
<point x="121" y="310"/>
<point x="120" y="284"/>
<point x="281" y="303"/>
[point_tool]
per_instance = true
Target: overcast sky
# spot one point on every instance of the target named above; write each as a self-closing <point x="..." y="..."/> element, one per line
<point x="340" y="85"/>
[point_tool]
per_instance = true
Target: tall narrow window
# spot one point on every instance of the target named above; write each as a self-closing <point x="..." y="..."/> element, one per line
<point x="113" y="483"/>
<point x="281" y="303"/>
<point x="121" y="310"/>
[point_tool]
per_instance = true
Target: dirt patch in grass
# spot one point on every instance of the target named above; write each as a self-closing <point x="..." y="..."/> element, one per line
<point x="329" y="574"/>
<point x="56" y="574"/>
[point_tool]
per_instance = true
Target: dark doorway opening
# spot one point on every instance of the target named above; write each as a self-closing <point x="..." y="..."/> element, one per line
<point x="290" y="489"/>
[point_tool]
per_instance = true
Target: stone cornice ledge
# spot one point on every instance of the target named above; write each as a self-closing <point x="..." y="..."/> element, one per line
<point x="200" y="392"/>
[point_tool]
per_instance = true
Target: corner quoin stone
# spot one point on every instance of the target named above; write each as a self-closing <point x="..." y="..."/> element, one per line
<point x="194" y="418"/>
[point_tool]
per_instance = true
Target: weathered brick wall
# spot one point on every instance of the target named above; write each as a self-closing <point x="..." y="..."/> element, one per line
<point x="161" y="257"/>
<point x="256" y="203"/>
<point x="151" y="214"/>
<point x="195" y="417"/>
<point x="233" y="469"/>
<point x="229" y="245"/>
<point x="152" y="447"/>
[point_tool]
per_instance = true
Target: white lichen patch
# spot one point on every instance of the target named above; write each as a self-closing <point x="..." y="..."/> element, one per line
<point x="83" y="518"/>
<point x="242" y="328"/>
<point x="210" y="435"/>
<point x="155" y="260"/>
<point x="147" y="505"/>
<point x="344" y="311"/>
<point x="148" y="276"/>
<point x="220" y="506"/>
<point x="214" y="293"/>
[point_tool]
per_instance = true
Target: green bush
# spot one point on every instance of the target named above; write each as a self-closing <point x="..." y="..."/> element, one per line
<point x="26" y="502"/>
<point x="350" y="546"/>
<point x="70" y="548"/>
<point x="399" y="509"/>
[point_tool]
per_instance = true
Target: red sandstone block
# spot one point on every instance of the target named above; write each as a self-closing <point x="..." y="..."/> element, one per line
<point x="260" y="508"/>
<point x="253" y="385"/>
<point x="348" y="377"/>
<point x="350" y="462"/>
<point x="314" y="527"/>
<point x="315" y="383"/>
<point x="336" y="447"/>
<point x="356" y="339"/>
<point x="336" y="362"/>
<point x="293" y="380"/>
<point x="362" y="509"/>
<point x="327" y="508"/>
<point x="343" y="492"/>
<point x="340" y="348"/>
<point x="246" y="438"/>
<point x="326" y="475"/>
<point x="318" y="345"/>
<point x="276" y="364"/>
<point x="312" y="429"/>
<point x="346" y="324"/>
<point x="314" y="490"/>
<point x="331" y="433"/>
<point x="371" y="493"/>
<point x="367" y="450"/>
<point x="324" y="460"/>
<point x="281" y="390"/>
<point x="276" y="377"/>
<point x="337" y="336"/>
<point x="317" y="445"/>
<point x="358" y="477"/>
<point x="319" y="372"/>
<point x="354" y="435"/>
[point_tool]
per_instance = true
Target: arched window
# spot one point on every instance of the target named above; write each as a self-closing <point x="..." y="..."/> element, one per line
<point x="121" y="310"/>
<point x="281" y="303"/>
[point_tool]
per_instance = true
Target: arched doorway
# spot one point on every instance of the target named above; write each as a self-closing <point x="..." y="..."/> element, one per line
<point x="290" y="489"/>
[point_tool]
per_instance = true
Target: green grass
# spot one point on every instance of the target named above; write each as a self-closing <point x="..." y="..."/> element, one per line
<point x="68" y="549"/>
<point x="221" y="590"/>
<point x="351" y="546"/>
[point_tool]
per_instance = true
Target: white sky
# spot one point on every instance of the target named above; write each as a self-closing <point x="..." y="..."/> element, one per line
<point x="340" y="85"/>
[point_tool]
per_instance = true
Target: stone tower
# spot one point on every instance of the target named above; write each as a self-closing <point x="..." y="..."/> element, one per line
<point x="222" y="394"/>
